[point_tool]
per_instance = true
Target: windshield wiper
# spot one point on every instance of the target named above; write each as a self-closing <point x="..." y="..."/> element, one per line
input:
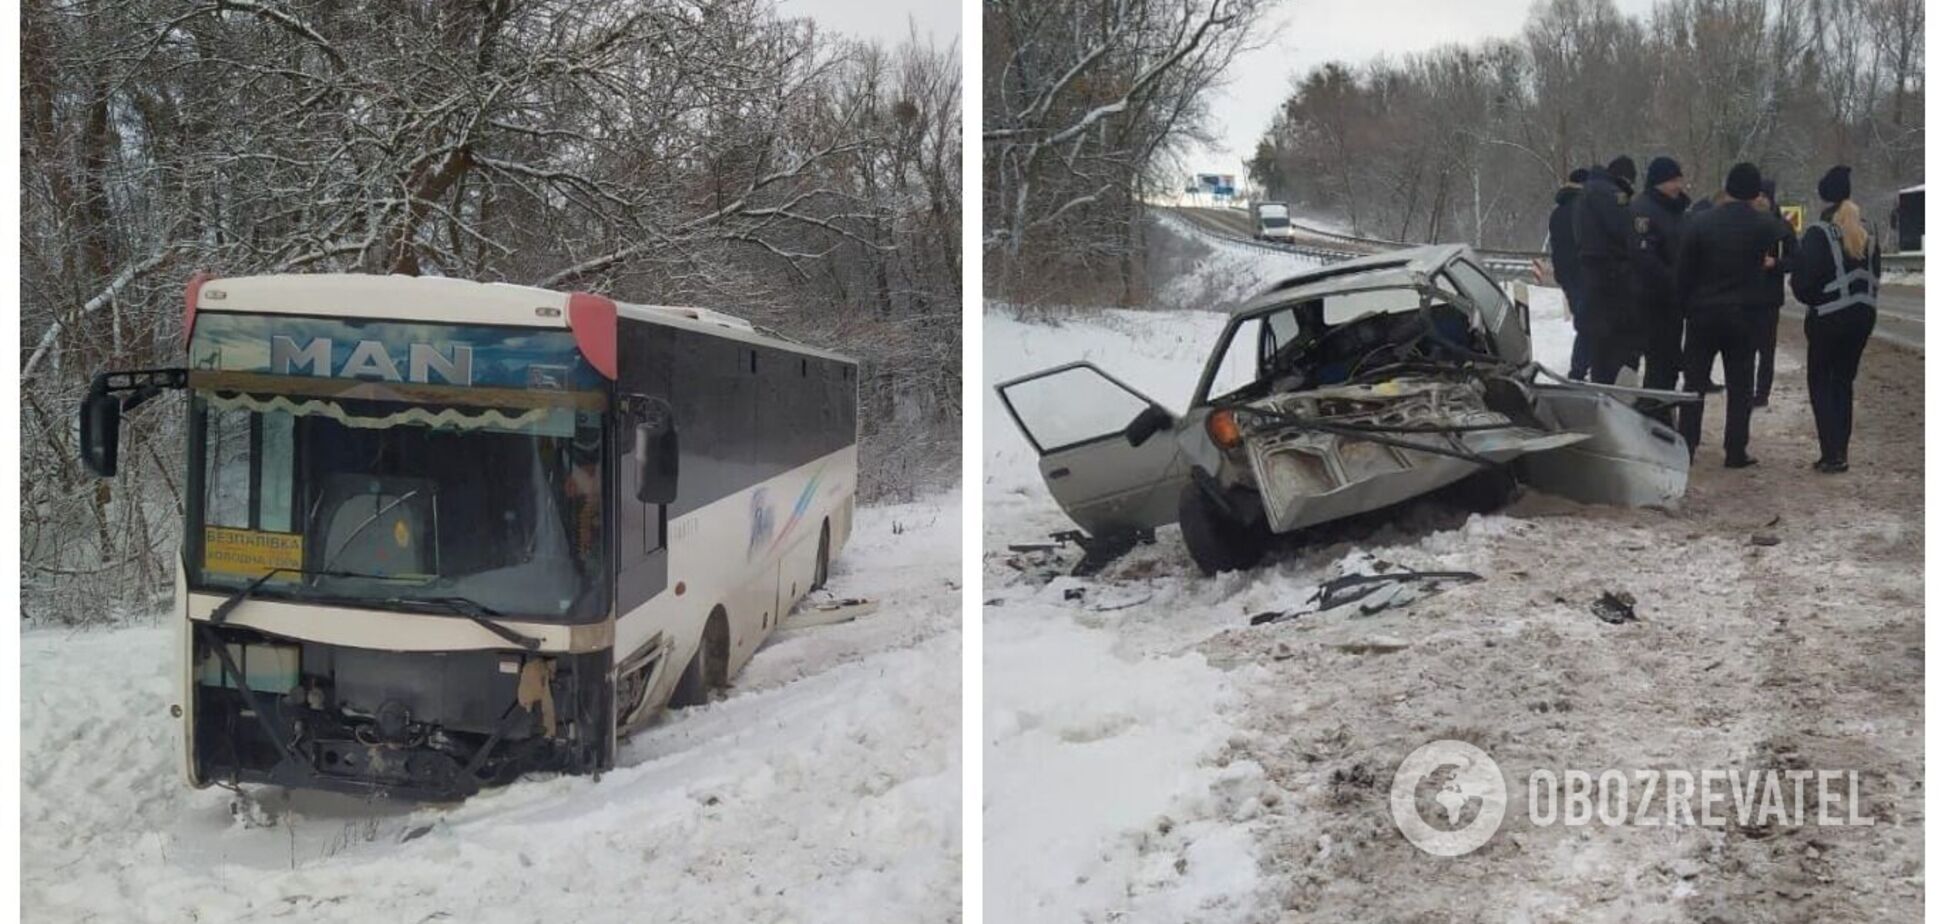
<point x="223" y="609"/>
<point x="477" y="612"/>
<point x="471" y="609"/>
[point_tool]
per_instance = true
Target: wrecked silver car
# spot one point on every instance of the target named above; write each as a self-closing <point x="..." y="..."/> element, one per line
<point x="1338" y="392"/>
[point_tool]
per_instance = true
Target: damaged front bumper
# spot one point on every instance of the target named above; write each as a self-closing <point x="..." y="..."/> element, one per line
<point x="1413" y="436"/>
<point x="433" y="726"/>
<point x="1322" y="454"/>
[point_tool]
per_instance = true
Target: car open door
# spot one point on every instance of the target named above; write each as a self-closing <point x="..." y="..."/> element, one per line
<point x="1508" y="320"/>
<point x="1076" y="417"/>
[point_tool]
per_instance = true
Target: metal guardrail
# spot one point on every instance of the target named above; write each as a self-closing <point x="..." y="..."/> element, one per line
<point x="1507" y="265"/>
<point x="1904" y="262"/>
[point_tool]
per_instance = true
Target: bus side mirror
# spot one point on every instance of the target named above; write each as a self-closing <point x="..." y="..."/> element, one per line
<point x="100" y="433"/>
<point x="657" y="460"/>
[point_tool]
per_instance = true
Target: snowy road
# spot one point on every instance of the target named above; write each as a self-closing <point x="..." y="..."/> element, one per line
<point x="824" y="787"/>
<point x="1191" y="767"/>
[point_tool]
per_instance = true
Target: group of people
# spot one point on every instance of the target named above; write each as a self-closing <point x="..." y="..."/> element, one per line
<point x="1656" y="280"/>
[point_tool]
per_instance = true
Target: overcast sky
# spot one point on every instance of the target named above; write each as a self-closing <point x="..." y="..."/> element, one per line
<point x="889" y="21"/>
<point x="1311" y="32"/>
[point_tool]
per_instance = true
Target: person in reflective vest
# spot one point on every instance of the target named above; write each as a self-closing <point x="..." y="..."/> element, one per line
<point x="1837" y="266"/>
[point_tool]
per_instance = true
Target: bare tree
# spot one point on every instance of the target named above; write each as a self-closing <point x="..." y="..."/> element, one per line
<point x="1793" y="85"/>
<point x="669" y="151"/>
<point x="1083" y="101"/>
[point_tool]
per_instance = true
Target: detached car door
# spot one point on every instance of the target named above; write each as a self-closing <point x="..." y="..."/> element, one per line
<point x="1076" y="418"/>
<point x="1631" y="459"/>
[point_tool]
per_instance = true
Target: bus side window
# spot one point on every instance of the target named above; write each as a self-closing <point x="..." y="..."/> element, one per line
<point x="644" y="527"/>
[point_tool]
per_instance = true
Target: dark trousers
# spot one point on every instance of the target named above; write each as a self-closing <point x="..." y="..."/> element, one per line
<point x="1609" y="355"/>
<point x="1664" y="359"/>
<point x="1765" y="351"/>
<point x="1582" y="344"/>
<point x="1730" y="334"/>
<point x="1707" y="375"/>
<point x="1836" y="344"/>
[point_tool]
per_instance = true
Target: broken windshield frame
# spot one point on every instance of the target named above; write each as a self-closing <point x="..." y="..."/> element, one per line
<point x="394" y="504"/>
<point x="1269" y="335"/>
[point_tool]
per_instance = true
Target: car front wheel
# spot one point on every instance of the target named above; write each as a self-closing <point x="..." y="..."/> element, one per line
<point x="1215" y="542"/>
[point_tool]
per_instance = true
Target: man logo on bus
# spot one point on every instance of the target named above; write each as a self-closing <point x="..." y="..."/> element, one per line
<point x="370" y="360"/>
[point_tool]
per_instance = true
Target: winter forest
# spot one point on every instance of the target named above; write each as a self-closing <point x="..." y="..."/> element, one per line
<point x="693" y="153"/>
<point x="1467" y="143"/>
<point x="1089" y="108"/>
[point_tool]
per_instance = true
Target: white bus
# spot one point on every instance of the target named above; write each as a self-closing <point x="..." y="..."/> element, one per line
<point x="442" y="533"/>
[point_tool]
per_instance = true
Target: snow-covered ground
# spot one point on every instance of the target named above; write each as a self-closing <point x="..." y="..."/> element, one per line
<point x="824" y="787"/>
<point x="1109" y="792"/>
<point x="1150" y="756"/>
<point x="1105" y="791"/>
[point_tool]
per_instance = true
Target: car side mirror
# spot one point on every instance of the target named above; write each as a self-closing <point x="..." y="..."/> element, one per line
<point x="657" y="458"/>
<point x="1522" y="297"/>
<point x="1146" y="424"/>
<point x="100" y="433"/>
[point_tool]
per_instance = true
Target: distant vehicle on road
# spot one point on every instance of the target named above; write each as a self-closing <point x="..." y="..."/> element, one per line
<point x="1908" y="219"/>
<point x="1272" y="222"/>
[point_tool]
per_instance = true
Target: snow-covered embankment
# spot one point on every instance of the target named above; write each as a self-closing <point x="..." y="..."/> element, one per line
<point x="825" y="786"/>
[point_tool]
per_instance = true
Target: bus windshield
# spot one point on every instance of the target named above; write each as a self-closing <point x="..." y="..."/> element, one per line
<point x="400" y="504"/>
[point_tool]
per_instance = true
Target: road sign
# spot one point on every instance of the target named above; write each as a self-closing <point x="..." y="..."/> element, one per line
<point x="1793" y="215"/>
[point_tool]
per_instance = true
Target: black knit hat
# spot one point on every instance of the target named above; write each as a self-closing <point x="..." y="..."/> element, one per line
<point x="1577" y="176"/>
<point x="1622" y="167"/>
<point x="1834" y="185"/>
<point x="1768" y="188"/>
<point x="1744" y="181"/>
<point x="1661" y="169"/>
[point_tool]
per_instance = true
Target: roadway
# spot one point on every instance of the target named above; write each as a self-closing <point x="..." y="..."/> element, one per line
<point x="1900" y="315"/>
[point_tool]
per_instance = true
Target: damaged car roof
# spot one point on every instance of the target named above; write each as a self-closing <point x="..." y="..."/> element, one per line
<point x="1396" y="269"/>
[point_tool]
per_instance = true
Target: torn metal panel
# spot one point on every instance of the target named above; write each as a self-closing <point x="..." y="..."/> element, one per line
<point x="1308" y="475"/>
<point x="1627" y="457"/>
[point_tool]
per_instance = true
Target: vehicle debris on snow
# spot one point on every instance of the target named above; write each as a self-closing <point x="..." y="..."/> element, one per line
<point x="1340" y="391"/>
<point x="829" y="612"/>
<point x="1615" y="607"/>
<point x="1361" y="594"/>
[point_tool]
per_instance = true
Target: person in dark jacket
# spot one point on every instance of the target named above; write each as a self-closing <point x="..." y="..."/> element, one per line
<point x="1566" y="266"/>
<point x="1719" y="282"/>
<point x="1837" y="266"/>
<point x="1657" y="213"/>
<point x="1772" y="307"/>
<point x="1603" y="232"/>
<point x="1708" y="385"/>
